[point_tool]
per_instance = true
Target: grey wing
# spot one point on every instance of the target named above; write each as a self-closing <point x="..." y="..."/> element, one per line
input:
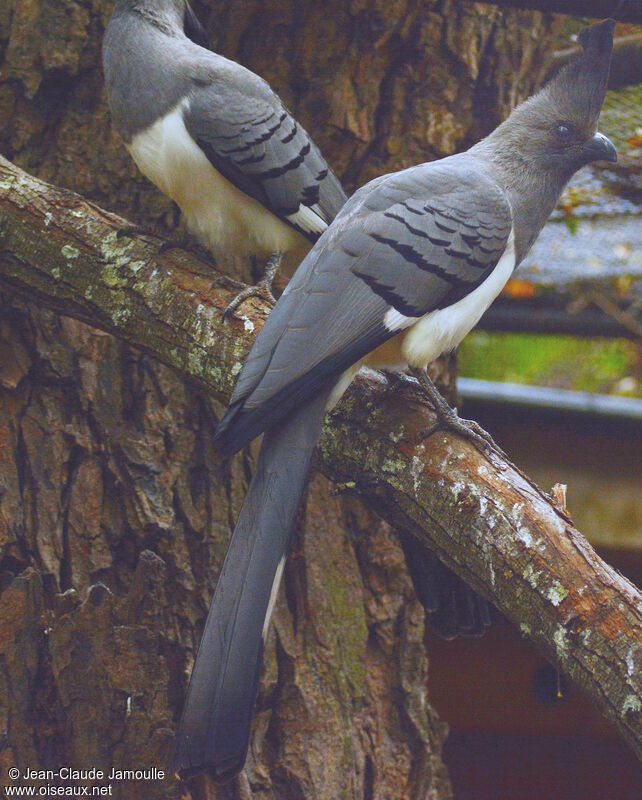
<point x="251" y="138"/>
<point x="411" y="242"/>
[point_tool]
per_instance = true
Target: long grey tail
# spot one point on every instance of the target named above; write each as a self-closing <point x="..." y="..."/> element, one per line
<point x="215" y="726"/>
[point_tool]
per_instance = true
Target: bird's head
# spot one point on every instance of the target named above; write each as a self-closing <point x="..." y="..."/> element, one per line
<point x="556" y="129"/>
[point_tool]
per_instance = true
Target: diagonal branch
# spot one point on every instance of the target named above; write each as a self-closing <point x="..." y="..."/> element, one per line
<point x="483" y="518"/>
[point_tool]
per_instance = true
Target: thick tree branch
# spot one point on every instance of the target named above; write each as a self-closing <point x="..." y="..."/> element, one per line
<point x="486" y="521"/>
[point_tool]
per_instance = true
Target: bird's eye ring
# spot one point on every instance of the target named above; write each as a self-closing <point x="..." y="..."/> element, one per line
<point x="563" y="131"/>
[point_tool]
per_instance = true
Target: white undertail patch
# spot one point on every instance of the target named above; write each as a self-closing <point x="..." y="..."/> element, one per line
<point x="273" y="595"/>
<point x="396" y="321"/>
<point x="308" y="220"/>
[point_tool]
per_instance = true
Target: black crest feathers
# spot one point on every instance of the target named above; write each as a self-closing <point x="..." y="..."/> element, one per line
<point x="578" y="89"/>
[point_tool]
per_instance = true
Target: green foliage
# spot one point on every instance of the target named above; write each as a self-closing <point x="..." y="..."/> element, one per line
<point x="610" y="366"/>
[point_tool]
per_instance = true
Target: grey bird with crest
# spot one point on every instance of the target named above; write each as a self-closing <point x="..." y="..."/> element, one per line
<point x="406" y="269"/>
<point x="214" y="137"/>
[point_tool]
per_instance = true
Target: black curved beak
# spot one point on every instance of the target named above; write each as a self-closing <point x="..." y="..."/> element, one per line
<point x="601" y="148"/>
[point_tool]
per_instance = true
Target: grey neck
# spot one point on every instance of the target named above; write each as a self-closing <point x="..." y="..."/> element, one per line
<point x="146" y="60"/>
<point x="533" y="191"/>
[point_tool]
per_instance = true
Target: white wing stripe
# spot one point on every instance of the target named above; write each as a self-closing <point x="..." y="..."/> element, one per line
<point x="307" y="220"/>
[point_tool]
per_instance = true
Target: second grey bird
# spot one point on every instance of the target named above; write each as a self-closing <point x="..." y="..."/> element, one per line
<point x="405" y="271"/>
<point x="214" y="137"/>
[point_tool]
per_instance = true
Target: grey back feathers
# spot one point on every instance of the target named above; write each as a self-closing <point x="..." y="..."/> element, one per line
<point x="251" y="138"/>
<point x="152" y="67"/>
<point x="410" y="242"/>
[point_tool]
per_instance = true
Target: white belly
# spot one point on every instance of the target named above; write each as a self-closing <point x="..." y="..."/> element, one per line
<point x="225" y="220"/>
<point x="441" y="331"/>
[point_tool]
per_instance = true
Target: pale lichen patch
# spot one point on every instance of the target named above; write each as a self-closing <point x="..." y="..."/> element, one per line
<point x="121" y="314"/>
<point x="631" y="703"/>
<point x="394" y="465"/>
<point x="559" y="637"/>
<point x="531" y="576"/>
<point x="114" y="250"/>
<point x="247" y="323"/>
<point x="459" y="488"/>
<point x="69" y="252"/>
<point x="630" y="664"/>
<point x="111" y="277"/>
<point x="194" y="361"/>
<point x="136" y="266"/>
<point x="556" y="593"/>
<point x="524" y="535"/>
<point x="416" y="470"/>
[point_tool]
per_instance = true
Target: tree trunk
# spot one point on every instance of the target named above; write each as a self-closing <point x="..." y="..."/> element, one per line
<point x="114" y="512"/>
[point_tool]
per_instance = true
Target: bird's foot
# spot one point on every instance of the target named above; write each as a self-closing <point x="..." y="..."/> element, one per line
<point x="262" y="289"/>
<point x="449" y="419"/>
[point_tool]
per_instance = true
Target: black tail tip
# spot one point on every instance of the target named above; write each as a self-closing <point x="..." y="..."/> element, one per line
<point x="220" y="772"/>
<point x="222" y="446"/>
<point x="226" y="436"/>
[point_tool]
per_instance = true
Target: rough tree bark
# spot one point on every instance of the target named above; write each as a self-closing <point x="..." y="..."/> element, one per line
<point x="107" y="478"/>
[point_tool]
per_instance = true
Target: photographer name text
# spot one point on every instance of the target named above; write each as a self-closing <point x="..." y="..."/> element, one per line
<point x="93" y="774"/>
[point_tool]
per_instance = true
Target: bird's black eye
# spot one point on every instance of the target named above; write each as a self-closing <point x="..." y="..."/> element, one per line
<point x="563" y="131"/>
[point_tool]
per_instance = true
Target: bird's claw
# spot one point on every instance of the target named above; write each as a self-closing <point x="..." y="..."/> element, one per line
<point x="449" y="419"/>
<point x="472" y="431"/>
<point x="260" y="290"/>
